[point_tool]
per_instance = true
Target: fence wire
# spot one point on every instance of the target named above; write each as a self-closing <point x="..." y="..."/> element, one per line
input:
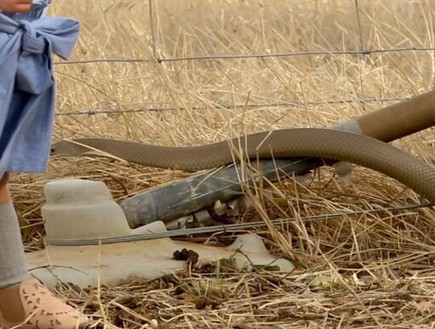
<point x="236" y="106"/>
<point x="246" y="56"/>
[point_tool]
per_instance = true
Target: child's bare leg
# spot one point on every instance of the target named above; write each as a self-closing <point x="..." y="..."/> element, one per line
<point x="22" y="296"/>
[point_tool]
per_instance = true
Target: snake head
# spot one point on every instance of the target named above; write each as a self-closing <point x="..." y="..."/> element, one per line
<point x="67" y="147"/>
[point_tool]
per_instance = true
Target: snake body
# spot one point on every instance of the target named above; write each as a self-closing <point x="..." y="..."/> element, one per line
<point x="328" y="144"/>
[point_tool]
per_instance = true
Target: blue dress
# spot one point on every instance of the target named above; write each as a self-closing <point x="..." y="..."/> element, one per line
<point x="27" y="88"/>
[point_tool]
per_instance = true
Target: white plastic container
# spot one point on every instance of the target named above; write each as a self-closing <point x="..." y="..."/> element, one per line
<point x="81" y="209"/>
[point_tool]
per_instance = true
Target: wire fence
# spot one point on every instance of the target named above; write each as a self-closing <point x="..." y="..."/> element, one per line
<point x="363" y="51"/>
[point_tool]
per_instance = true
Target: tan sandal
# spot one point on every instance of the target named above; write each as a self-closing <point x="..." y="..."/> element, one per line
<point x="32" y="305"/>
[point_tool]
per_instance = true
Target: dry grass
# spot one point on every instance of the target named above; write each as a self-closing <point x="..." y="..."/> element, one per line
<point x="369" y="271"/>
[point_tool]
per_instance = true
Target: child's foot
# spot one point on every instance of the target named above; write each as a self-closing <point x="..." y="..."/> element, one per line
<point x="32" y="305"/>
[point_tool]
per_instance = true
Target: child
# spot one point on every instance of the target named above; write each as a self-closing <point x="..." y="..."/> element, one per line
<point x="26" y="117"/>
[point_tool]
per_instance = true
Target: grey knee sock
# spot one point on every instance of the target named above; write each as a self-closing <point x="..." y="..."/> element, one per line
<point x="13" y="267"/>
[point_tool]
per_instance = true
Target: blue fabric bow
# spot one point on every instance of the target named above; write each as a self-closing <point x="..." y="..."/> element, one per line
<point x="27" y="89"/>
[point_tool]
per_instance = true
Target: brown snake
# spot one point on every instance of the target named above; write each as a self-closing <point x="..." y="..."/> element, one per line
<point x="302" y="142"/>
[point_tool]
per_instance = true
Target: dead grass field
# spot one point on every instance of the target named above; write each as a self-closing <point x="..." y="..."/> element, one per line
<point x="374" y="271"/>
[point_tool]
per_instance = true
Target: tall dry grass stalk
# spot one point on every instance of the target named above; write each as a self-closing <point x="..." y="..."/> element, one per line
<point x="374" y="270"/>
